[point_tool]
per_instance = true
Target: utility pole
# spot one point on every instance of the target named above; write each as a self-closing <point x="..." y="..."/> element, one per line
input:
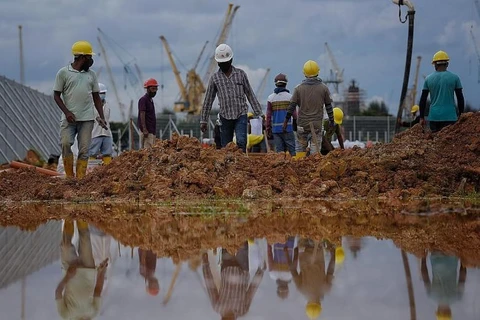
<point x="22" y="69"/>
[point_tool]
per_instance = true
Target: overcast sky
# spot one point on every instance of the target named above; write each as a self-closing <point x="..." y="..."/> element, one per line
<point x="366" y="37"/>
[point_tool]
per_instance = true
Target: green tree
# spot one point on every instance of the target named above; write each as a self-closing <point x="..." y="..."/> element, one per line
<point x="375" y="108"/>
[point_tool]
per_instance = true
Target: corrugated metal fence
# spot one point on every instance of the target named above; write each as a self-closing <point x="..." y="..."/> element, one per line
<point x="29" y="119"/>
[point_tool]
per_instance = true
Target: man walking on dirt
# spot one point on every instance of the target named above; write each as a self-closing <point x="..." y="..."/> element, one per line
<point x="277" y="105"/>
<point x="310" y="96"/>
<point x="78" y="86"/>
<point x="441" y="85"/>
<point x="147" y="121"/>
<point x="231" y="85"/>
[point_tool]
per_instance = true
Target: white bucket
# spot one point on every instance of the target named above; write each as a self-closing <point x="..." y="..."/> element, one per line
<point x="256" y="126"/>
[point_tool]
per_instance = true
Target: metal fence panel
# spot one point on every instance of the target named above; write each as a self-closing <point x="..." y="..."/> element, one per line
<point x="28" y="120"/>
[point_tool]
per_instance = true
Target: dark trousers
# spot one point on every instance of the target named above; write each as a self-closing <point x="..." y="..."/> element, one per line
<point x="436" y="126"/>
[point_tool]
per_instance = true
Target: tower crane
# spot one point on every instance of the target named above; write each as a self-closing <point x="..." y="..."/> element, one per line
<point x="121" y="105"/>
<point x="336" y="75"/>
<point x="261" y="86"/>
<point x="135" y="83"/>
<point x="477" y="51"/>
<point x="227" y="25"/>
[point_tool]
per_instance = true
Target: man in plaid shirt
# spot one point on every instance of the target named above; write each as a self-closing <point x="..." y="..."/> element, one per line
<point x="236" y="292"/>
<point x="232" y="87"/>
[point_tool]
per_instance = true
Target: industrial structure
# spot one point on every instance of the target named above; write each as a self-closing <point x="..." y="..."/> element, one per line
<point x="29" y="119"/>
<point x="354" y="99"/>
<point x="192" y="92"/>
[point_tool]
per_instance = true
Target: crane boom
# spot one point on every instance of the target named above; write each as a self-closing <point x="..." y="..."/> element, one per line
<point x="415" y="81"/>
<point x="261" y="86"/>
<point x="200" y="56"/>
<point x="230" y="14"/>
<point x="181" y="86"/>
<point x="121" y="106"/>
<point x="337" y="72"/>
<point x="476" y="51"/>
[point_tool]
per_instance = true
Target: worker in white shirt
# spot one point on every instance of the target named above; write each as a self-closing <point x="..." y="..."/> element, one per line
<point x="102" y="140"/>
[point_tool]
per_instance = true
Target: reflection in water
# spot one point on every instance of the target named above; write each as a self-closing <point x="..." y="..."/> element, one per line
<point x="78" y="294"/>
<point x="275" y="277"/>
<point x="444" y="288"/>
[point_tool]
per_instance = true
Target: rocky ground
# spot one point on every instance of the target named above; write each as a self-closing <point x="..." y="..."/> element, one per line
<point x="414" y="164"/>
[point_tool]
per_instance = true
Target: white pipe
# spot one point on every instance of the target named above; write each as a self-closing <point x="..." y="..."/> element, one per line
<point x="407" y="3"/>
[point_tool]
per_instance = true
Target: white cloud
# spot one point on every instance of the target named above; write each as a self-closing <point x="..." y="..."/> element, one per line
<point x="449" y="34"/>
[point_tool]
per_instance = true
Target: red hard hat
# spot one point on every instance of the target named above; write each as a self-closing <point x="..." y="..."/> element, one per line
<point x="150" y="83"/>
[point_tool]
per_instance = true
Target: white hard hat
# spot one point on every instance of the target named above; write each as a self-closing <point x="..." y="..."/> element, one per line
<point x="223" y="53"/>
<point x="103" y="88"/>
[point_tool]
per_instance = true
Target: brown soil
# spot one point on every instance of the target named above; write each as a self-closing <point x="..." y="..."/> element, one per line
<point x="415" y="164"/>
<point x="178" y="231"/>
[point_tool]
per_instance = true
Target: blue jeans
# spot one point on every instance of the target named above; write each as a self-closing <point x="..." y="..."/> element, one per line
<point x="83" y="131"/>
<point x="239" y="126"/>
<point x="102" y="144"/>
<point x="284" y="142"/>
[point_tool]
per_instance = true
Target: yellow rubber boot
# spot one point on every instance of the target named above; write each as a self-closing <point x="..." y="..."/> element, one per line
<point x="299" y="155"/>
<point x="68" y="166"/>
<point x="81" y="168"/>
<point x="68" y="228"/>
<point x="81" y="224"/>
<point x="107" y="160"/>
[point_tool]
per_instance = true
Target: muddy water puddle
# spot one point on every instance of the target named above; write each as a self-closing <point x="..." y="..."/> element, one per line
<point x="259" y="260"/>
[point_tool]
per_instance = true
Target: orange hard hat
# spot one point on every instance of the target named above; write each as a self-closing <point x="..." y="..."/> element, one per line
<point x="153" y="291"/>
<point x="150" y="83"/>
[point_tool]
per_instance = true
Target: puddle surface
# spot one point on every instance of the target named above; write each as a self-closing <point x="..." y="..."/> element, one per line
<point x="178" y="262"/>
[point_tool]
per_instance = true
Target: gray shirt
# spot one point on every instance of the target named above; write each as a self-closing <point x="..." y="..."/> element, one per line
<point x="76" y="88"/>
<point x="310" y="96"/>
<point x="232" y="92"/>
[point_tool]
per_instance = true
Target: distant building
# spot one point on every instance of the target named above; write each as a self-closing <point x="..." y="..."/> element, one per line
<point x="354" y="99"/>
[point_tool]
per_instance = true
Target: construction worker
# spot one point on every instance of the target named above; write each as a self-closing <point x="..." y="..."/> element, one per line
<point x="102" y="140"/>
<point x="231" y="85"/>
<point x="327" y="145"/>
<point x="444" y="287"/>
<point x="147" y="121"/>
<point x="310" y="96"/>
<point x="277" y="105"/>
<point x="415" y="114"/>
<point x="278" y="265"/>
<point x="312" y="280"/>
<point x="441" y="85"/>
<point x="78" y="295"/>
<point x="148" y="264"/>
<point x="76" y="91"/>
<point x="235" y="294"/>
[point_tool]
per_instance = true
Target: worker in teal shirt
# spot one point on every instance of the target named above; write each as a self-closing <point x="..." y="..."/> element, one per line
<point x="441" y="85"/>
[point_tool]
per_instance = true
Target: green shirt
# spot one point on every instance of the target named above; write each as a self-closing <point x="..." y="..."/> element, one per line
<point x="442" y="85"/>
<point x="76" y="88"/>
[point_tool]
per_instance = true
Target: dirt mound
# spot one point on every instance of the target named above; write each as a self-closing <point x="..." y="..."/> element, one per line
<point x="413" y="164"/>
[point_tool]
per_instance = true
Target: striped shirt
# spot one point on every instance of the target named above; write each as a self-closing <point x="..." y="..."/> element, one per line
<point x="233" y="92"/>
<point x="235" y="294"/>
<point x="277" y="105"/>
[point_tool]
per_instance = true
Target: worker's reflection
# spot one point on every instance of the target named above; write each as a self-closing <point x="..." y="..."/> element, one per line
<point x="78" y="295"/>
<point x="354" y="245"/>
<point x="148" y="264"/>
<point x="444" y="287"/>
<point x="235" y="294"/>
<point x="312" y="280"/>
<point x="279" y="265"/>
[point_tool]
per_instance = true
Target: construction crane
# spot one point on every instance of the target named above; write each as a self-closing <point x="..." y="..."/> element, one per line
<point x="121" y="105"/>
<point x="227" y="25"/>
<point x="477" y="52"/>
<point x="336" y="75"/>
<point x="261" y="86"/>
<point x="415" y="80"/>
<point x="136" y="85"/>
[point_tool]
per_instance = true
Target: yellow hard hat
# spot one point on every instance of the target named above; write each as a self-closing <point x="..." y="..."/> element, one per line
<point x="313" y="310"/>
<point x="250" y="115"/>
<point x="444" y="316"/>
<point x="339" y="255"/>
<point x="338" y="115"/>
<point x="440" y="56"/>
<point x="82" y="48"/>
<point x="415" y="108"/>
<point x="311" y="69"/>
